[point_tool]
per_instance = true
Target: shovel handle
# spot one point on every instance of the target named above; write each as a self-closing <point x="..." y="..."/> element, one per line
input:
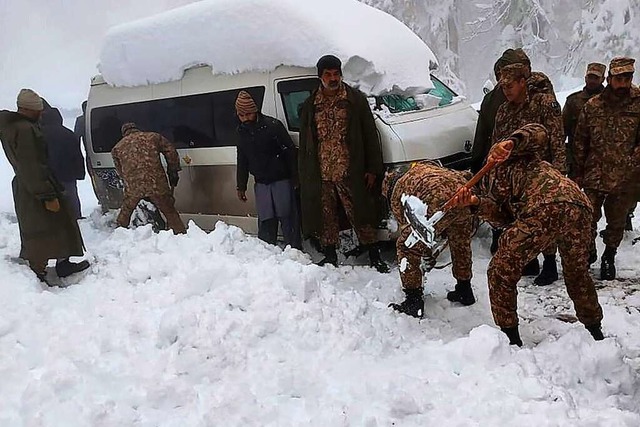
<point x="472" y="182"/>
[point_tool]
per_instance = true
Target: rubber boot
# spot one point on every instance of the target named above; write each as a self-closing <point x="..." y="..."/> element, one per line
<point x="462" y="293"/>
<point x="595" y="331"/>
<point x="608" y="264"/>
<point x="514" y="335"/>
<point x="532" y="268"/>
<point x="330" y="256"/>
<point x="413" y="305"/>
<point x="549" y="273"/>
<point x="65" y="268"/>
<point x="375" y="260"/>
<point x="495" y="237"/>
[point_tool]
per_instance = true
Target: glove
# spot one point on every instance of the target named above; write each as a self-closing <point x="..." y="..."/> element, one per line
<point x="173" y="178"/>
<point x="52" y="205"/>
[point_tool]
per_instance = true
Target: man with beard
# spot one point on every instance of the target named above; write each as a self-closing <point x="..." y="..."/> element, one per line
<point x="340" y="163"/>
<point x="606" y="145"/>
<point x="266" y="151"/>
<point x="593" y="80"/>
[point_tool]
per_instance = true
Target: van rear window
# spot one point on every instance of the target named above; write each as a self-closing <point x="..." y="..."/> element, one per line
<point x="194" y="121"/>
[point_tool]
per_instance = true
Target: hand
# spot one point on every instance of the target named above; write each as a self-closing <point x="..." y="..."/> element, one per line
<point x="52" y="205"/>
<point x="500" y="151"/>
<point x="370" y="180"/>
<point x="242" y="195"/>
<point x="464" y="197"/>
<point x="173" y="178"/>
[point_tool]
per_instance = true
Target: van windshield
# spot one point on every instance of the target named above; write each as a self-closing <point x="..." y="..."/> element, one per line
<point x="439" y="96"/>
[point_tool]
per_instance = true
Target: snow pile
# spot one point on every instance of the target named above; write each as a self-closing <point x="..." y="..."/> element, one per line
<point x="221" y="329"/>
<point x="379" y="53"/>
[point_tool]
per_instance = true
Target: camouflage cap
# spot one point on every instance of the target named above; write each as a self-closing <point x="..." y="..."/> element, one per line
<point x="512" y="73"/>
<point x="127" y="128"/>
<point x="596" y="69"/>
<point x="621" y="65"/>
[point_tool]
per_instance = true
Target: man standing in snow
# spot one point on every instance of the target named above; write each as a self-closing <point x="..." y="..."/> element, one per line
<point x="433" y="185"/>
<point x="594" y="80"/>
<point x="340" y="163"/>
<point x="523" y="107"/>
<point x="607" y="155"/>
<point x="266" y="150"/>
<point x="65" y="158"/>
<point x="538" y="206"/>
<point x="47" y="227"/>
<point x="137" y="161"/>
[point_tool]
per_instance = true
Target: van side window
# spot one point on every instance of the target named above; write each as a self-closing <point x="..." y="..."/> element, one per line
<point x="293" y="93"/>
<point x="193" y="121"/>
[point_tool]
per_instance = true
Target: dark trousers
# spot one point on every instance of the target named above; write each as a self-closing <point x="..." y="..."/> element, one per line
<point x="71" y="194"/>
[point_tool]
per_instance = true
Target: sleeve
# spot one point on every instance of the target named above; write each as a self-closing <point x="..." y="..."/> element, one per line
<point x="492" y="212"/>
<point x="290" y="149"/>
<point x="170" y="154"/>
<point x="32" y="168"/>
<point x="581" y="144"/>
<point x="242" y="169"/>
<point x="553" y="123"/>
<point x="116" y="162"/>
<point x="481" y="139"/>
<point x="372" y="146"/>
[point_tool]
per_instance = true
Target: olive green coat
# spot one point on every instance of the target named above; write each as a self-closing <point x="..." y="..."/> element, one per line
<point x="44" y="234"/>
<point x="365" y="157"/>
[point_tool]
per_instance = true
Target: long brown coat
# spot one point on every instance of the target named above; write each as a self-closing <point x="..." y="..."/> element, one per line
<point x="44" y="234"/>
<point x="365" y="156"/>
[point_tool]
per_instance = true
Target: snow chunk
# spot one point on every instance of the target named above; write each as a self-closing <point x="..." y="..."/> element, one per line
<point x="379" y="53"/>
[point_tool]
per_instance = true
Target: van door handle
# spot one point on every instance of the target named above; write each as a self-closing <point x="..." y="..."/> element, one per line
<point x="187" y="159"/>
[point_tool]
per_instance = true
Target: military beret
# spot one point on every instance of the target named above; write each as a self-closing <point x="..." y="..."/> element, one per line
<point x="621" y="65"/>
<point x="596" y="69"/>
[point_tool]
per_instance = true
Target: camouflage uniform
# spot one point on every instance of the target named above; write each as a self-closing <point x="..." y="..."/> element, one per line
<point x="538" y="206"/>
<point x="607" y="156"/>
<point x="331" y="118"/>
<point x="571" y="111"/>
<point x="137" y="160"/>
<point x="434" y="185"/>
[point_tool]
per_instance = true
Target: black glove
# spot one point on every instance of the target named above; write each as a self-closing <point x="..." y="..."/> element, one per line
<point x="173" y="178"/>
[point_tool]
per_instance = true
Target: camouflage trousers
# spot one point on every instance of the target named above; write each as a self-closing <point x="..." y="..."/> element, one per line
<point x="164" y="203"/>
<point x="568" y="225"/>
<point x="334" y="193"/>
<point x="616" y="208"/>
<point x="409" y="259"/>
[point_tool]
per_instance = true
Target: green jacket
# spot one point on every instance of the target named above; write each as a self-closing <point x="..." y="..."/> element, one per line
<point x="365" y="157"/>
<point x="44" y="234"/>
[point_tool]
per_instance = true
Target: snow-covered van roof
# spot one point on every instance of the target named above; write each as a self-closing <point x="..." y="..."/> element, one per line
<point x="379" y="53"/>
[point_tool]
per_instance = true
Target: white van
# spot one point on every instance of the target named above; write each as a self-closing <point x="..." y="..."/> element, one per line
<point x="197" y="114"/>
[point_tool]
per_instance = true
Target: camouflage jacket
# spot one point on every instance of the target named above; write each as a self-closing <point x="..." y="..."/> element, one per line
<point x="539" y="108"/>
<point x="539" y="83"/>
<point x="570" y="113"/>
<point x="432" y="184"/>
<point x="331" y="124"/>
<point x="137" y="160"/>
<point x="606" y="141"/>
<point x="522" y="184"/>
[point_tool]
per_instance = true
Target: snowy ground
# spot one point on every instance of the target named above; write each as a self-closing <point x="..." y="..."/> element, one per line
<point x="221" y="329"/>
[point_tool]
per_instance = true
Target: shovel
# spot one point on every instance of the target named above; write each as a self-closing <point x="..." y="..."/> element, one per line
<point x="423" y="227"/>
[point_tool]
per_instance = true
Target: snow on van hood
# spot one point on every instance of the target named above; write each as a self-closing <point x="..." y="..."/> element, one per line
<point x="379" y="53"/>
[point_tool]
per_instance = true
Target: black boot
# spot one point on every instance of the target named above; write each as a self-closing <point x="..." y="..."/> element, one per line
<point x="413" y="305"/>
<point x="376" y="261"/>
<point x="495" y="236"/>
<point x="532" y="268"/>
<point x="608" y="264"/>
<point x="66" y="268"/>
<point x="462" y="293"/>
<point x="514" y="335"/>
<point x="595" y="331"/>
<point x="330" y="256"/>
<point x="593" y="255"/>
<point x="549" y="273"/>
<point x="628" y="225"/>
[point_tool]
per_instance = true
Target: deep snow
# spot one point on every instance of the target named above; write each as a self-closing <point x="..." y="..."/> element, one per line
<point x="221" y="329"/>
<point x="380" y="54"/>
